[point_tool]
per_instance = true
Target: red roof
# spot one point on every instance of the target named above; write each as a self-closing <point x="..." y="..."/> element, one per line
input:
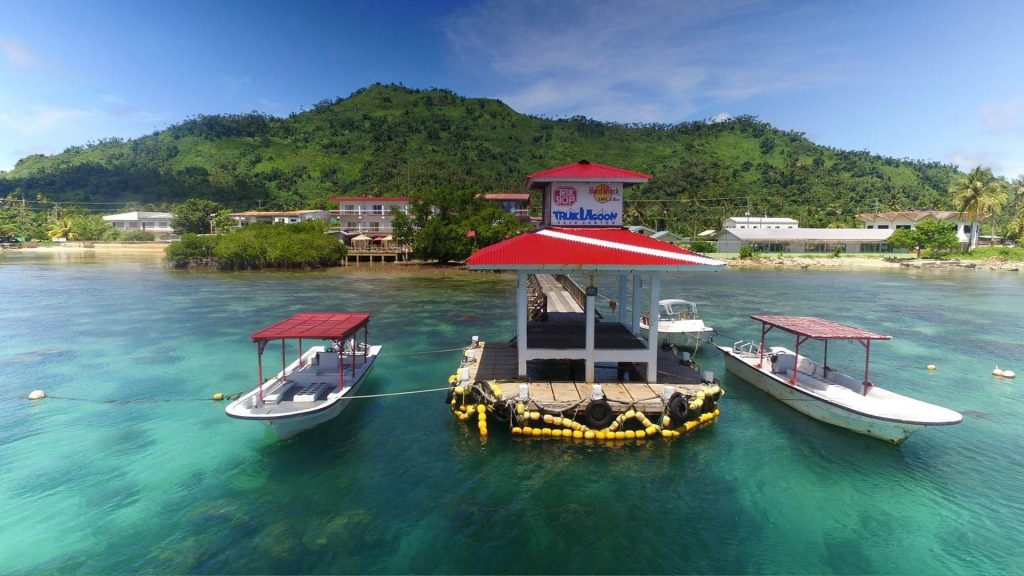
<point x="819" y="328"/>
<point x="333" y="325"/>
<point x="576" y="249"/>
<point x="585" y="171"/>
<point x="368" y="199"/>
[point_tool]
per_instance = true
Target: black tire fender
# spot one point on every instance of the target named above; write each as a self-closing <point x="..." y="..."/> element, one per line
<point x="678" y="407"/>
<point x="599" y="414"/>
<point x="502" y="411"/>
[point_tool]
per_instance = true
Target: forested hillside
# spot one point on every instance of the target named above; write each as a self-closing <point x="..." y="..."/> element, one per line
<point x="391" y="140"/>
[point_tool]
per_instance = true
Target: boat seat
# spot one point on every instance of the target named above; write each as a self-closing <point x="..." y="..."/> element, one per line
<point x="312" y="392"/>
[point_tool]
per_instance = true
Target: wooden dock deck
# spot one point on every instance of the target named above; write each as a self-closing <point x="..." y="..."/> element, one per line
<point x="497" y="363"/>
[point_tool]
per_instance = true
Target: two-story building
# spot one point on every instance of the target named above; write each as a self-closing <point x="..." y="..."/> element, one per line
<point x="286" y="217"/>
<point x="159" y="223"/>
<point x="517" y="204"/>
<point x="367" y="214"/>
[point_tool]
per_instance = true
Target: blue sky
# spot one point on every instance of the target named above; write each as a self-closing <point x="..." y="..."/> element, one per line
<point x="938" y="80"/>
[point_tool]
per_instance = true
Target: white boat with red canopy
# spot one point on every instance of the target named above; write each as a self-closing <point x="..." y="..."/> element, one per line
<point x="823" y="393"/>
<point x="320" y="382"/>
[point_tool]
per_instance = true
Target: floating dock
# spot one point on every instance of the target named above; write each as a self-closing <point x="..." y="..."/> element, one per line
<point x="487" y="390"/>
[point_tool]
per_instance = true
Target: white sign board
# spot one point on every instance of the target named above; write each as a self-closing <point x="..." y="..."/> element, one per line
<point x="584" y="204"/>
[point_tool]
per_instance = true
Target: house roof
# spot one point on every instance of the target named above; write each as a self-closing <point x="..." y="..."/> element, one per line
<point x="761" y="220"/>
<point x="258" y="213"/>
<point x="333" y="325"/>
<point x="381" y="199"/>
<point x="581" y="249"/>
<point x="912" y="215"/>
<point x="133" y="216"/>
<point x="507" y="196"/>
<point x="585" y="171"/>
<point x="806" y="234"/>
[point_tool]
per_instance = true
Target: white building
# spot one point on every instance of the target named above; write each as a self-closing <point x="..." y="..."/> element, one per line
<point x="288" y="217"/>
<point x="910" y="219"/>
<point x="368" y="215"/>
<point x="755" y="222"/>
<point x="804" y="240"/>
<point x="159" y="223"/>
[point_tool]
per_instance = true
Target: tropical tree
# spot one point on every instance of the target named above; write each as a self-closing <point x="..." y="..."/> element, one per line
<point x="977" y="194"/>
<point x="61" y="228"/>
<point x="931" y="235"/>
<point x="195" y="215"/>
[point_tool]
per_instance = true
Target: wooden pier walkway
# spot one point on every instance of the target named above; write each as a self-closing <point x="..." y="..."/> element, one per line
<point x="559" y="299"/>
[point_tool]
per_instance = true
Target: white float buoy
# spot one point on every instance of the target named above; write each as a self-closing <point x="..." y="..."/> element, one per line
<point x="931" y="366"/>
<point x="36" y="395"/>
<point x="998" y="373"/>
<point x="1009" y="374"/>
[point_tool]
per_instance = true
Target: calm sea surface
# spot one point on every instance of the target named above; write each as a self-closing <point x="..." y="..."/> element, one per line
<point x="132" y="470"/>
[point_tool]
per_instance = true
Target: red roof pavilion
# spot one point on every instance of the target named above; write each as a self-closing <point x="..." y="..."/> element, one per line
<point x="585" y="171"/>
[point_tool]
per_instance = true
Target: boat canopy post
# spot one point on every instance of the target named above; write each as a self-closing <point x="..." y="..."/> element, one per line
<point x="260" y="345"/>
<point x="284" y="363"/>
<point x="867" y="359"/>
<point x="339" y="345"/>
<point x="824" y="364"/>
<point x="300" y="352"/>
<point x="764" y="330"/>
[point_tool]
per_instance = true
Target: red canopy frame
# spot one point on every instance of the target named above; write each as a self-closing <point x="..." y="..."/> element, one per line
<point x="334" y="326"/>
<point x="811" y="328"/>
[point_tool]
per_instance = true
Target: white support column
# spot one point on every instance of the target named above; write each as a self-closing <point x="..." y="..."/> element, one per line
<point x="623" y="288"/>
<point x="589" y="320"/>
<point x="522" y="316"/>
<point x="652" y="340"/>
<point x="634" y="326"/>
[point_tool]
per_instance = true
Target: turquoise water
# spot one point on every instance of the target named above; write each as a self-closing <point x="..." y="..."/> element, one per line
<point x="132" y="470"/>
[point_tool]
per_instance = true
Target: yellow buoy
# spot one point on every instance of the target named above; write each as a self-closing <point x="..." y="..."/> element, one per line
<point x="600" y="434"/>
<point x="556" y="433"/>
<point x="651" y="430"/>
<point x="630" y="434"/>
<point x="931" y="366"/>
<point x="640" y="434"/>
<point x="453" y="379"/>
<point x="535" y="415"/>
<point x="548" y="419"/>
<point x="218" y="396"/>
<point x="577" y="434"/>
<point x="589" y="434"/>
<point x="620" y="435"/>
<point x="480" y="409"/>
<point x="537" y="432"/>
<point x="545" y="431"/>
<point x="517" y="430"/>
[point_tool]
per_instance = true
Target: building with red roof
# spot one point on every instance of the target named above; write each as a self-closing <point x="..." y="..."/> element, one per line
<point x="589" y="197"/>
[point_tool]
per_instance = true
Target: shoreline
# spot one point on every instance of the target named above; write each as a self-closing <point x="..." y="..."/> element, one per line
<point x="843" y="262"/>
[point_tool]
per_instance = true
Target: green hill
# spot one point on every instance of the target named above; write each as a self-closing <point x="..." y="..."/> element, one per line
<point x="391" y="140"/>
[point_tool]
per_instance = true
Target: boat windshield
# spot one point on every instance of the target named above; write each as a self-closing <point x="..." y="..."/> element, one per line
<point x="678" y="310"/>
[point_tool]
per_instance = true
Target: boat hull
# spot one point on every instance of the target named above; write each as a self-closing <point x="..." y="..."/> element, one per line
<point x="895" y="432"/>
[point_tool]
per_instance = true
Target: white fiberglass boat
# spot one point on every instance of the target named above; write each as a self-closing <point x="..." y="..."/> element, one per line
<point x="320" y="383"/>
<point x="825" y="394"/>
<point x="679" y="324"/>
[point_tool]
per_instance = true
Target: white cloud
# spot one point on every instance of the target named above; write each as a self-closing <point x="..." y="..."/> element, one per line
<point x="16" y="53"/>
<point x="1006" y="116"/>
<point x="44" y="119"/>
<point x="721" y="117"/>
<point x="633" y="60"/>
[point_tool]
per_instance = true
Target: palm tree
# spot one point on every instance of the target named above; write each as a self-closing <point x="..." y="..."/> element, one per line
<point x="976" y="194"/>
<point x="61" y="228"/>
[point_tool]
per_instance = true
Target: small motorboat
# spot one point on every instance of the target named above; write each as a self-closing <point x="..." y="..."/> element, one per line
<point x="679" y="324"/>
<point x="823" y="393"/>
<point x="320" y="382"/>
